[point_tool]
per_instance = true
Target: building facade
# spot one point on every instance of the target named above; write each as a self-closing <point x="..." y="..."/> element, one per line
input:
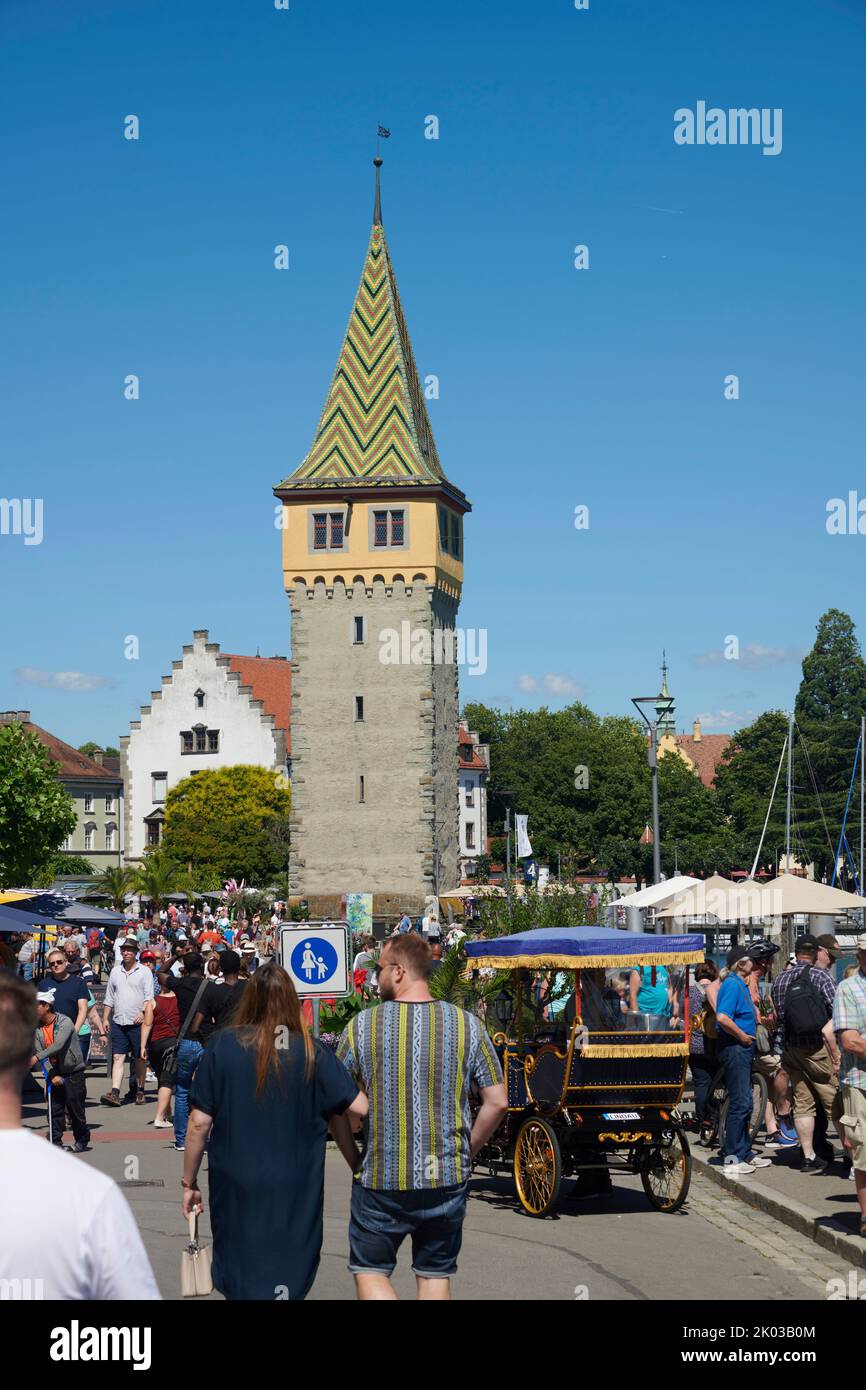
<point x="474" y="771"/>
<point x="699" y="751"/>
<point x="214" y="710"/>
<point x="96" y="792"/>
<point x="373" y="566"/>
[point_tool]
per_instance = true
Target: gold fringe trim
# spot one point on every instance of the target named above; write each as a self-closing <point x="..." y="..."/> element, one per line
<point x="546" y="962"/>
<point x="649" y="1050"/>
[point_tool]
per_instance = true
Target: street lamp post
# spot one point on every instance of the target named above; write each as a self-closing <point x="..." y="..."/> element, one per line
<point x="662" y="706"/>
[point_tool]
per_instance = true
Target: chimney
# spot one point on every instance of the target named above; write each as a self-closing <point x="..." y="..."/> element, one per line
<point x="15" y="716"/>
<point x="696" y="731"/>
<point x="98" y="756"/>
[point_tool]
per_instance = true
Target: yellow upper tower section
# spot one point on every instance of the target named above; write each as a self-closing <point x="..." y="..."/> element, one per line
<point x="370" y="498"/>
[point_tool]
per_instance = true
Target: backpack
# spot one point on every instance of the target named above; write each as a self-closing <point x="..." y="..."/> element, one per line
<point x="93" y="937"/>
<point x="805" y="1007"/>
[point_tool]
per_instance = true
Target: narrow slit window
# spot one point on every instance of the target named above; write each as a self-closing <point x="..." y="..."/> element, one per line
<point x="336" y="530"/>
<point x="359" y="631"/>
<point x="396" y="528"/>
<point x="380" y="528"/>
<point x="443" y="529"/>
<point x="361" y="787"/>
<point x="359" y="709"/>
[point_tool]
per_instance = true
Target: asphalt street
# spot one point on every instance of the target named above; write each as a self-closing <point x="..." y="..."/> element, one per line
<point x="613" y="1247"/>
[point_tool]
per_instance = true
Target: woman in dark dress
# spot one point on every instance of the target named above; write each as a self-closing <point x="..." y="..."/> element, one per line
<point x="267" y="1092"/>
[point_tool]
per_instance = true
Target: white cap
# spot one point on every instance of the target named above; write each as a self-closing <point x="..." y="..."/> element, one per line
<point x="45" y="996"/>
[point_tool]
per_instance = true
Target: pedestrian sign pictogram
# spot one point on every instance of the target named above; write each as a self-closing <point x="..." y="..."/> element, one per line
<point x="316" y="955"/>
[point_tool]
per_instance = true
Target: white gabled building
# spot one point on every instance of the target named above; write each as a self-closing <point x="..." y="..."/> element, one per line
<point x="473" y="772"/>
<point x="214" y="710"/>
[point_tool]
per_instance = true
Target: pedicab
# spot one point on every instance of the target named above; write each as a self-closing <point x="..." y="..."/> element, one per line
<point x="593" y="1091"/>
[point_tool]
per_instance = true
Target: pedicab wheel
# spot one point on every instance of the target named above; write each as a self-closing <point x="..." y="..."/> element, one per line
<point x="666" y="1173"/>
<point x="537" y="1167"/>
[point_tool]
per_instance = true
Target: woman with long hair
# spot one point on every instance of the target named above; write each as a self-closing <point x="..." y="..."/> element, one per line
<point x="267" y="1092"/>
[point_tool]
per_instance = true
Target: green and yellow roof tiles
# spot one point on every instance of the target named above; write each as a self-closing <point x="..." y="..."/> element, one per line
<point x="374" y="427"/>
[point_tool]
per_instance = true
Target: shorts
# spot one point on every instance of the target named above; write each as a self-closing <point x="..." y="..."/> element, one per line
<point x="768" y="1065"/>
<point x="125" y="1037"/>
<point x="812" y="1078"/>
<point x="853" y="1122"/>
<point x="156" y="1056"/>
<point x="381" y="1219"/>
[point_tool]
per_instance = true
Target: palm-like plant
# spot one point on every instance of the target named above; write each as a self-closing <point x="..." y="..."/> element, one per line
<point x="117" y="883"/>
<point x="156" y="878"/>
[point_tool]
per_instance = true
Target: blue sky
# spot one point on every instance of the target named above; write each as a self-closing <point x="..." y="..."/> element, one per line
<point x="558" y="387"/>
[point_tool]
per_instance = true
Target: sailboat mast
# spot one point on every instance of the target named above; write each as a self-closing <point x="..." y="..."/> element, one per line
<point x="788" y="802"/>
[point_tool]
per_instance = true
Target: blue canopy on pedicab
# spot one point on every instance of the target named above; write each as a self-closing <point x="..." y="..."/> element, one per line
<point x="575" y="948"/>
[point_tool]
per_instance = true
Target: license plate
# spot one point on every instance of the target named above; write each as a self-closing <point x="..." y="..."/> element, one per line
<point x="621" y="1115"/>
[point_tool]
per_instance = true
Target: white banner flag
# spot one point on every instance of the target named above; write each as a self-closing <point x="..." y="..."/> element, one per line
<point x="524" y="848"/>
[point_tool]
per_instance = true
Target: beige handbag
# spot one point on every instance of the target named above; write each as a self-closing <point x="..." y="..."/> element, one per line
<point x="195" y="1261"/>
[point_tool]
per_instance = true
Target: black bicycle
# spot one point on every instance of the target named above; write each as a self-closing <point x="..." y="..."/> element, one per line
<point x="712" y="1127"/>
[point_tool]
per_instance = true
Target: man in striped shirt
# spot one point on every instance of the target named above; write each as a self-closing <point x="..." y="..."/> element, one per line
<point x="417" y="1058"/>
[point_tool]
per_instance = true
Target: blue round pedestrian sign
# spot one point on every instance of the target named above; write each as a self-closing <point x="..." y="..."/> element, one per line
<point x="314" y="960"/>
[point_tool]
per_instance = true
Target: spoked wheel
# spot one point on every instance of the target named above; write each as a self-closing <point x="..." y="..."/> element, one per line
<point x="537" y="1167"/>
<point x="758" y="1113"/>
<point x="666" y="1173"/>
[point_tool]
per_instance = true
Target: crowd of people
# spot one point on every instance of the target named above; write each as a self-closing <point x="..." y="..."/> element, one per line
<point x="202" y="1009"/>
<point x="805" y="1033"/>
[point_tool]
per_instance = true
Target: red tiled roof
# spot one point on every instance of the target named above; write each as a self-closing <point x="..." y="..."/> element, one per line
<point x="474" y="763"/>
<point x="71" y="763"/>
<point x="705" y="752"/>
<point x="271" y="680"/>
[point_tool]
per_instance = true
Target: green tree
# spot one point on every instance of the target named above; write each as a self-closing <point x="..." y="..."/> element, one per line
<point x="231" y="819"/>
<point x="36" y="812"/>
<point x="744" y="782"/>
<point x="828" y="708"/>
<point x="59" y="864"/>
<point x="118" y="883"/>
<point x="158" y="876"/>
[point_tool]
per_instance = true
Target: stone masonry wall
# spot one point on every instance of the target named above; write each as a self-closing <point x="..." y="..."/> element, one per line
<point x="405" y="748"/>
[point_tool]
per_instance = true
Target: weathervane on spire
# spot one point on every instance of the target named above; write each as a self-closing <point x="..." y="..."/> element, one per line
<point x="382" y="133"/>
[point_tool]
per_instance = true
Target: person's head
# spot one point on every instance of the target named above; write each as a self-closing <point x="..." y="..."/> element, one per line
<point x="58" y="965"/>
<point x="828" y="951"/>
<point x="148" y="958"/>
<point x="861" y="952"/>
<point x="739" y="961"/>
<point x="166" y="981"/>
<point x="268" y="1007"/>
<point x="230" y="962"/>
<point x="181" y="946"/>
<point x="72" y="952"/>
<point x="192" y="963"/>
<point x="213" y="967"/>
<point x="44" y="1006"/>
<point x="369" y="943"/>
<point x="707" y="970"/>
<point x="436" y="950"/>
<point x="850" y="970"/>
<point x="404" y="964"/>
<point x="128" y="953"/>
<point x="18" y="1023"/>
<point x="806" y="949"/>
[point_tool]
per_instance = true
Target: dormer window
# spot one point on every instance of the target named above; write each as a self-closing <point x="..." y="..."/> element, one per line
<point x="199" y="699"/>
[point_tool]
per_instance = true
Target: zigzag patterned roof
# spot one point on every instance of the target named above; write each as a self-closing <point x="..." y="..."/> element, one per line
<point x="374" y="427"/>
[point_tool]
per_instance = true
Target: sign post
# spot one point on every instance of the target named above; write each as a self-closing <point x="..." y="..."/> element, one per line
<point x="317" y="957"/>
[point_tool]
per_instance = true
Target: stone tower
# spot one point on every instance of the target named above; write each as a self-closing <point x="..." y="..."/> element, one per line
<point x="373" y="566"/>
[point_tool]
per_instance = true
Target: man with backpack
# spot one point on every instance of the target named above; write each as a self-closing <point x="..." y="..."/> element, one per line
<point x="803" y="999"/>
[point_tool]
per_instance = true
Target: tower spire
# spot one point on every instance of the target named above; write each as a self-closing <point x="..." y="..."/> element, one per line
<point x="377" y="207"/>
